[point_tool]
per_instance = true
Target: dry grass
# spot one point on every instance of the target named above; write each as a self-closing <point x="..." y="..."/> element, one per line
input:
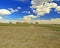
<point x="29" y="37"/>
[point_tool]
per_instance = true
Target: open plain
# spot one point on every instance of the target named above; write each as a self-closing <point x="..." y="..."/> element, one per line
<point x="41" y="36"/>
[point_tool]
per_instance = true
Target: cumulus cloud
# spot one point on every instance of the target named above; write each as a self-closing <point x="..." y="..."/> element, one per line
<point x="8" y="11"/>
<point x="45" y="8"/>
<point x="28" y="20"/>
<point x="58" y="9"/>
<point x="29" y="17"/>
<point x="4" y="12"/>
<point x="14" y="10"/>
<point x="39" y="2"/>
<point x="51" y="21"/>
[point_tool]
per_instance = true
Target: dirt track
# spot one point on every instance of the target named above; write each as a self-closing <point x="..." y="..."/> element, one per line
<point x="28" y="37"/>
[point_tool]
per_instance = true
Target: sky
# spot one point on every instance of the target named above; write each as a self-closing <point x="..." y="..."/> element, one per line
<point x="29" y="9"/>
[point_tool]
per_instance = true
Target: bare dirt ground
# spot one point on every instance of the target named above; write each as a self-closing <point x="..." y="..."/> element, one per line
<point x="28" y="37"/>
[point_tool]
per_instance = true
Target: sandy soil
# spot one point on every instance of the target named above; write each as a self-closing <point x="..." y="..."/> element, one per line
<point x="28" y="37"/>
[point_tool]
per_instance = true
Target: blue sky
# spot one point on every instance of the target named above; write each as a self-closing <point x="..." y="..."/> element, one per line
<point x="23" y="8"/>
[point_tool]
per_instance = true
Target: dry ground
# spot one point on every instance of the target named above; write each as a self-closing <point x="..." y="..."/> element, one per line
<point x="29" y="37"/>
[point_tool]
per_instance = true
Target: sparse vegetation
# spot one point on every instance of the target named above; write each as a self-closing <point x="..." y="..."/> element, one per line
<point x="23" y="35"/>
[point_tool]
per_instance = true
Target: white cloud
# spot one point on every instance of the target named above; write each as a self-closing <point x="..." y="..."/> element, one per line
<point x="18" y="7"/>
<point x="28" y="12"/>
<point x="0" y="18"/>
<point x="45" y="8"/>
<point x="13" y="10"/>
<point x="39" y="2"/>
<point x="28" y="20"/>
<point x="29" y="17"/>
<point x="51" y="21"/>
<point x="55" y="21"/>
<point x="4" y="12"/>
<point x="58" y="9"/>
<point x="8" y="11"/>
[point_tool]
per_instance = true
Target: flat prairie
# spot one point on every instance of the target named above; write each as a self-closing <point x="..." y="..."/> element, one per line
<point x="43" y="36"/>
